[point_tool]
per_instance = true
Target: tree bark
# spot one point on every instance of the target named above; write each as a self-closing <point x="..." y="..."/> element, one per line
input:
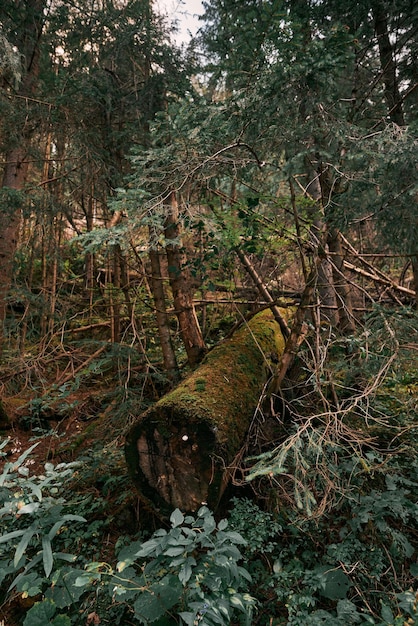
<point x="16" y="166"/>
<point x="387" y="62"/>
<point x="180" y="284"/>
<point x="178" y="452"/>
<point x="414" y="261"/>
<point x="346" y="323"/>
<point x="157" y="288"/>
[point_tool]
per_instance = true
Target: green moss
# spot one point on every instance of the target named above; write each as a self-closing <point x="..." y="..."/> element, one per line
<point x="226" y="387"/>
<point x="219" y="397"/>
<point x="200" y="384"/>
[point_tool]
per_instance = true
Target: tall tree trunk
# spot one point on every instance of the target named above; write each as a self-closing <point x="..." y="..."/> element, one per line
<point x="343" y="294"/>
<point x="157" y="287"/>
<point x="388" y="66"/>
<point x="180" y="283"/>
<point x="116" y="291"/>
<point x="16" y="166"/>
<point x="325" y="286"/>
<point x="89" y="256"/>
<point x="414" y="261"/>
<point x="14" y="177"/>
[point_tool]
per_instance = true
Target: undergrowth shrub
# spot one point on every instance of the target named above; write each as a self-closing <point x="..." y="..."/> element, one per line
<point x="357" y="565"/>
<point x="33" y="514"/>
<point x="187" y="575"/>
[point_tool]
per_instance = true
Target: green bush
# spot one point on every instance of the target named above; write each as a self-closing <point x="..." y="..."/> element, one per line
<point x="32" y="515"/>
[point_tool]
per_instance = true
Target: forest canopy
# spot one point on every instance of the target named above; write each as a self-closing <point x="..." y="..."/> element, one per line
<point x="208" y="314"/>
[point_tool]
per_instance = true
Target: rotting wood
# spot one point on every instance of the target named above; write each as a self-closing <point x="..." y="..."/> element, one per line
<point x="179" y="450"/>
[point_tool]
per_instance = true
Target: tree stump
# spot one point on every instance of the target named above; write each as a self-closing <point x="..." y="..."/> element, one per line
<point x="179" y="450"/>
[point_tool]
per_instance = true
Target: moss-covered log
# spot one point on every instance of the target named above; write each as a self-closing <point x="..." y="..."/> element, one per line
<point x="178" y="451"/>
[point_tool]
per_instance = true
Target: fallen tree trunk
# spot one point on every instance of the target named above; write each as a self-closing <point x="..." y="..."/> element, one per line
<point x="179" y="450"/>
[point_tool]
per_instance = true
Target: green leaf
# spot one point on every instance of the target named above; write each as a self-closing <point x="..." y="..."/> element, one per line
<point x="85" y="579"/>
<point x="186" y="570"/>
<point x="61" y="620"/>
<point x="235" y="537"/>
<point x="188" y="617"/>
<point x="24" y="456"/>
<point x="12" y="535"/>
<point x="209" y="524"/>
<point x="414" y="569"/>
<point x="40" y="614"/>
<point x="47" y="557"/>
<point x="387" y="614"/>
<point x="176" y="518"/>
<point x="55" y="529"/>
<point x="21" y="548"/>
<point x="223" y="524"/>
<point x="236" y="601"/>
<point x="147" y="548"/>
<point x="64" y="592"/>
<point x="347" y="612"/>
<point x="64" y="556"/>
<point x="35" y="490"/>
<point x="73" y="518"/>
<point x="159" y="598"/>
<point x="335" y="583"/>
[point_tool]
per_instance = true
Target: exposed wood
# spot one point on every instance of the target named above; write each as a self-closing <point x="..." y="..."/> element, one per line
<point x="179" y="450"/>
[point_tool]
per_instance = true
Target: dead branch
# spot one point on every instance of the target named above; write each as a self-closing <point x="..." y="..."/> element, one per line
<point x="383" y="280"/>
<point x="371" y="272"/>
<point x="264" y="292"/>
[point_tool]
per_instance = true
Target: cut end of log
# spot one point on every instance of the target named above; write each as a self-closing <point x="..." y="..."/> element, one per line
<point x="172" y="463"/>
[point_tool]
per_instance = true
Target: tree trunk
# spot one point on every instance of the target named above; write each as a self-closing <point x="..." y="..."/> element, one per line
<point x="180" y="283"/>
<point x="346" y="323"/>
<point x="16" y="166"/>
<point x="178" y="452"/>
<point x="14" y="177"/>
<point x="387" y="62"/>
<point x="157" y="288"/>
<point x="414" y="261"/>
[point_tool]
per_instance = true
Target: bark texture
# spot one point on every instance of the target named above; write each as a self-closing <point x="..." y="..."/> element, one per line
<point x="178" y="452"/>
<point x="161" y="316"/>
<point x="180" y="283"/>
<point x="16" y="164"/>
<point x="392" y="95"/>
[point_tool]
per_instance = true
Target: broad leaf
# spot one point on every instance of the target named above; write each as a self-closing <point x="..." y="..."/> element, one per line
<point x="23" y="544"/>
<point x="12" y="535"/>
<point x="176" y="518"/>
<point x="162" y="596"/>
<point x="40" y="614"/>
<point x="47" y="557"/>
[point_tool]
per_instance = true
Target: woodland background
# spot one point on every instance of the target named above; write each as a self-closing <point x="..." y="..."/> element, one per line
<point x="153" y="199"/>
